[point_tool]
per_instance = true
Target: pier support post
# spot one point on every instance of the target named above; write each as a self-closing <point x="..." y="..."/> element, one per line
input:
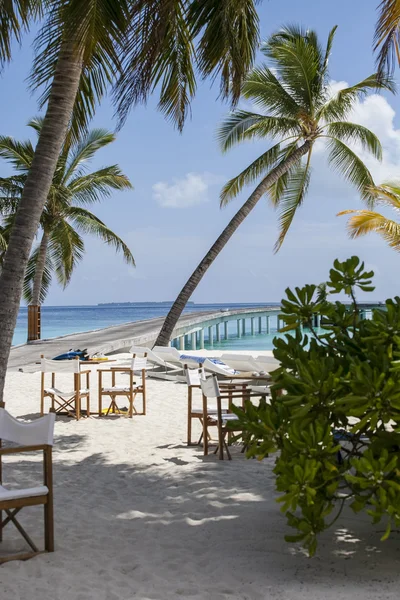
<point x="226" y="330"/>
<point x="194" y="341"/>
<point x="182" y="342"/>
<point x="239" y="331"/>
<point x="278" y="324"/>
<point x="244" y="326"/>
<point x="201" y="339"/>
<point x="210" y="336"/>
<point x="252" y="326"/>
<point x="268" y="326"/>
<point x="259" y="325"/>
<point x="218" y="332"/>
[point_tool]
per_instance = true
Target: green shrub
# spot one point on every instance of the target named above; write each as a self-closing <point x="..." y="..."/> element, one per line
<point x="335" y="428"/>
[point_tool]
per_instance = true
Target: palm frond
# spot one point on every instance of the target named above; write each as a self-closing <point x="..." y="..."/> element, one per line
<point x="277" y="189"/>
<point x="90" y="188"/>
<point x="298" y="59"/>
<point x="30" y="276"/>
<point x="328" y="50"/>
<point x="88" y="223"/>
<point x="36" y="123"/>
<point x="10" y="192"/>
<point x="19" y="154"/>
<point x="243" y="125"/>
<point x="365" y="221"/>
<point x="352" y="132"/>
<point x="66" y="249"/>
<point x="84" y="150"/>
<point x="167" y="36"/>
<point x="95" y="30"/>
<point x="340" y="106"/>
<point x="387" y="194"/>
<point x="351" y="167"/>
<point x="296" y="187"/>
<point x="387" y="35"/>
<point x="158" y="51"/>
<point x="228" y="37"/>
<point x="265" y="90"/>
<point x="15" y="18"/>
<point x="249" y="175"/>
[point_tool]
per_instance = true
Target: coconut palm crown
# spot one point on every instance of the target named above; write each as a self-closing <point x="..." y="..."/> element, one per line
<point x="65" y="217"/>
<point x="296" y="108"/>
<point x="363" y="222"/>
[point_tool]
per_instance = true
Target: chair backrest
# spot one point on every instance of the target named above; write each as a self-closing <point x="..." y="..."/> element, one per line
<point x="193" y="376"/>
<point x="60" y="366"/>
<point x="139" y="363"/>
<point x="33" y="433"/>
<point x="168" y="353"/>
<point x="151" y="357"/>
<point x="210" y="387"/>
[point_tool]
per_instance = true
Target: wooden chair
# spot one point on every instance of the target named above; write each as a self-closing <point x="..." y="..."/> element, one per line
<point x="211" y="389"/>
<point x="193" y="377"/>
<point x="33" y="436"/>
<point x="65" y="402"/>
<point x="127" y="390"/>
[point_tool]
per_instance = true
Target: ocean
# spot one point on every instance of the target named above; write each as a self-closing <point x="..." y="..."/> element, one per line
<point x="62" y="320"/>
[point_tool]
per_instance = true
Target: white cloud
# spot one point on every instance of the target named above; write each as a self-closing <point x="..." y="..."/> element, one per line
<point x="376" y="114"/>
<point x="190" y="190"/>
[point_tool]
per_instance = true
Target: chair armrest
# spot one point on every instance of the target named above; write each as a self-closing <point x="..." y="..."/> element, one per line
<point x="19" y="449"/>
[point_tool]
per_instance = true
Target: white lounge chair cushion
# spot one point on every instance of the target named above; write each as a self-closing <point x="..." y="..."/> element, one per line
<point x="229" y="417"/>
<point x="6" y="494"/>
<point x="63" y="394"/>
<point x="264" y="390"/>
<point x="119" y="388"/>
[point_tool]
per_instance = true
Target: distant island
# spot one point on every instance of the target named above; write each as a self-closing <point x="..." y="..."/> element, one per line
<point x="135" y="303"/>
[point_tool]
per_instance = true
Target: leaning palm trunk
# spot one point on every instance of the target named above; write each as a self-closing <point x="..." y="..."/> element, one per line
<point x="55" y="125"/>
<point x="39" y="271"/>
<point x="194" y="280"/>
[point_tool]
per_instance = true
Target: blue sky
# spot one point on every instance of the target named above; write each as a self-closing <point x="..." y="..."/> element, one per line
<point x="172" y="216"/>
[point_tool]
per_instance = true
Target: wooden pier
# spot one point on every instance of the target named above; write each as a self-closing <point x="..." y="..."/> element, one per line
<point x="142" y="333"/>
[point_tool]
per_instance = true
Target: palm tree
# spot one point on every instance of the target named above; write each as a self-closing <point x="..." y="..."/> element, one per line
<point x="64" y="217"/>
<point x="367" y="221"/>
<point x="83" y="48"/>
<point x="297" y="107"/>
<point x="387" y="35"/>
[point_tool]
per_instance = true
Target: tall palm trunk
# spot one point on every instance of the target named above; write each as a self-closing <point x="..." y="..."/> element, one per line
<point x="37" y="186"/>
<point x="39" y="269"/>
<point x="197" y="275"/>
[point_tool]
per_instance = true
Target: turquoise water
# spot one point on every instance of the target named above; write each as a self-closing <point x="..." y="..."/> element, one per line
<point x="61" y="320"/>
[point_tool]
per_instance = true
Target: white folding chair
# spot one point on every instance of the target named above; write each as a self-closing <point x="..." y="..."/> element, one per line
<point x="31" y="436"/>
<point x="66" y="401"/>
<point x="128" y="390"/>
<point x="212" y="390"/>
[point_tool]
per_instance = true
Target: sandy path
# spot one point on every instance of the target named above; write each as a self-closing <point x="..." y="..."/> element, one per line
<point x="141" y="516"/>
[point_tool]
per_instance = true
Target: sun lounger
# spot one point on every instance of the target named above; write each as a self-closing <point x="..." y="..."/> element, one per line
<point x="218" y="368"/>
<point x="244" y="363"/>
<point x="160" y="368"/>
<point x="267" y="364"/>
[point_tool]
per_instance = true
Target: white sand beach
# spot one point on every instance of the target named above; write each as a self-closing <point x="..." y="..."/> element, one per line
<point x="141" y="516"/>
